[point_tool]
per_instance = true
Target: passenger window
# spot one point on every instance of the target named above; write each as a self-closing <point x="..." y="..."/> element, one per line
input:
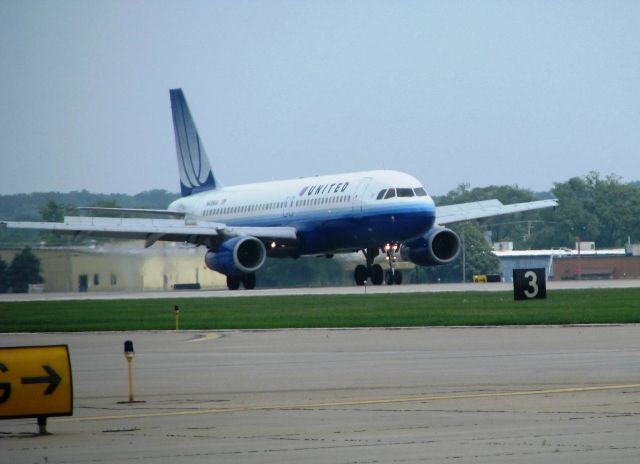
<point x="381" y="194"/>
<point x="390" y="193"/>
<point x="404" y="192"/>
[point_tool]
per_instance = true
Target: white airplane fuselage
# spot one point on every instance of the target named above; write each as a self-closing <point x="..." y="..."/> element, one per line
<point x="334" y="213"/>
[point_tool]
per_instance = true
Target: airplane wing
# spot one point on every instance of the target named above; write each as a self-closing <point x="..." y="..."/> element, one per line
<point x="151" y="230"/>
<point x="483" y="209"/>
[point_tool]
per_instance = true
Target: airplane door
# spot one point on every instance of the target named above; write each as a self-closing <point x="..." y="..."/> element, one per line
<point x="357" y="202"/>
<point x="288" y="207"/>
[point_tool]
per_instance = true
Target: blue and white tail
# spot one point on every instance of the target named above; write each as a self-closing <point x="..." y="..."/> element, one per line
<point x="193" y="164"/>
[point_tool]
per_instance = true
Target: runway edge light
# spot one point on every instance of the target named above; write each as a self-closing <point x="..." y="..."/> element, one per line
<point x="129" y="354"/>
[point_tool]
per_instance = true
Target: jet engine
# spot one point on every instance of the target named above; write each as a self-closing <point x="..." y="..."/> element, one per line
<point x="237" y="256"/>
<point x="438" y="246"/>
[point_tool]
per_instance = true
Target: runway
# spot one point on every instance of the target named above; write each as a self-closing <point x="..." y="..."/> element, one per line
<point x="348" y="290"/>
<point x="481" y="395"/>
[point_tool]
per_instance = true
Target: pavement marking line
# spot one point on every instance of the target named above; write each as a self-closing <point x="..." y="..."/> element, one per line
<point x="205" y="337"/>
<point x="407" y="399"/>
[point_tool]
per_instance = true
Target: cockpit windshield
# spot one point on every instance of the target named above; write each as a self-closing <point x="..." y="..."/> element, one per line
<point x="401" y="192"/>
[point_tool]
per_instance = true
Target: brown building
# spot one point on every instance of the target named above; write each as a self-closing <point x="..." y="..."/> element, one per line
<point x="596" y="267"/>
<point x="125" y="266"/>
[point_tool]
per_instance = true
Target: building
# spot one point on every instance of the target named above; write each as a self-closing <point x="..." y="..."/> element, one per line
<point x="568" y="264"/>
<point x="122" y="266"/>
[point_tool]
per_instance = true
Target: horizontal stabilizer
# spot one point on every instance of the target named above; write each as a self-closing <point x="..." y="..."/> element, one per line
<point x="140" y="211"/>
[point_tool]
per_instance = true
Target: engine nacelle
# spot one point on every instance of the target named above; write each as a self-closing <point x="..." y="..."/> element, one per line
<point x="438" y="246"/>
<point x="237" y="256"/>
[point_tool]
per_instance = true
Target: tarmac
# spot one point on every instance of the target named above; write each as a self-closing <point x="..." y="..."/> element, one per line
<point x="346" y="290"/>
<point x="481" y="395"/>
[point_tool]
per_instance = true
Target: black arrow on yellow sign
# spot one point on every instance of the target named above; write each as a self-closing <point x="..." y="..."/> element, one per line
<point x="53" y="380"/>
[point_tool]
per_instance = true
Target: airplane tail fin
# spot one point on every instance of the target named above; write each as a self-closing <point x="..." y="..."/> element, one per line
<point x="193" y="164"/>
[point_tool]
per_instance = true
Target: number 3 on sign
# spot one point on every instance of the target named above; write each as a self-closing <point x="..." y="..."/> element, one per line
<point x="533" y="283"/>
<point x="529" y="284"/>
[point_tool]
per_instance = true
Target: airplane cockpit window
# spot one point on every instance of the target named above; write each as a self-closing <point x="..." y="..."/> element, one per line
<point x="381" y="194"/>
<point x="404" y="192"/>
<point x="390" y="193"/>
<point x="420" y="192"/>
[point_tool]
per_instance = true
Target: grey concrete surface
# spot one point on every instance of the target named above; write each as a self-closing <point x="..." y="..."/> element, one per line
<point x="477" y="395"/>
<point x="350" y="290"/>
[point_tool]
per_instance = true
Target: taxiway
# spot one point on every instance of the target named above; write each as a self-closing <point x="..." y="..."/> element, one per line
<point x="482" y="395"/>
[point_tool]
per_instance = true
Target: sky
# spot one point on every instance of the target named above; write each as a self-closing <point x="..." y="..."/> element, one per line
<point x="489" y="92"/>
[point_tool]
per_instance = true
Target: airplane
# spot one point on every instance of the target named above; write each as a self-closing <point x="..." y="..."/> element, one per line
<point x="242" y="225"/>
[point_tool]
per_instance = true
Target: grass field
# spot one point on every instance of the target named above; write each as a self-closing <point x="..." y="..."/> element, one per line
<point x="389" y="310"/>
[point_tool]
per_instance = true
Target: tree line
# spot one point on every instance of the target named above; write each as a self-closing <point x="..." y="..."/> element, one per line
<point x="603" y="209"/>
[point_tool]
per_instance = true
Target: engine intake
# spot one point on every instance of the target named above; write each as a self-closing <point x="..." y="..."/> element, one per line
<point x="237" y="256"/>
<point x="438" y="246"/>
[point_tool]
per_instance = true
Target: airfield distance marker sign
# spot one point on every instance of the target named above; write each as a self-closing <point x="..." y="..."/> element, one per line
<point x="35" y="381"/>
<point x="529" y="284"/>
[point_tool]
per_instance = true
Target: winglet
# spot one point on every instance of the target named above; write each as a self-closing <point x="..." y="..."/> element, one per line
<point x="193" y="164"/>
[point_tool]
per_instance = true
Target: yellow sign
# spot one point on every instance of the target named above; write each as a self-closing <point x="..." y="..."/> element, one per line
<point x="35" y="381"/>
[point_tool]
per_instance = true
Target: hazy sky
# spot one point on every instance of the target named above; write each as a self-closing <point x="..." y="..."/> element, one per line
<point x="484" y="92"/>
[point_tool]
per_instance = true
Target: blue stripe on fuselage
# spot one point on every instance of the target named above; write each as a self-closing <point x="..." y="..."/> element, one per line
<point x="325" y="232"/>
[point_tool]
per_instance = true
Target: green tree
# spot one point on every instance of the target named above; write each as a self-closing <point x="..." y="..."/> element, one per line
<point x="303" y="272"/>
<point x="24" y="270"/>
<point x="55" y="212"/>
<point x="514" y="228"/>
<point x="3" y="276"/>
<point x="505" y="193"/>
<point x="478" y="259"/>
<point x="603" y="210"/>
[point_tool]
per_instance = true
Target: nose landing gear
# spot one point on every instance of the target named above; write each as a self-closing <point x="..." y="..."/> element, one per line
<point x="374" y="271"/>
<point x="393" y="275"/>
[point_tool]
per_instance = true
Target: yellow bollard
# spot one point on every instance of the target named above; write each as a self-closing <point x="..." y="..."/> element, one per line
<point x="177" y="310"/>
<point x="129" y="354"/>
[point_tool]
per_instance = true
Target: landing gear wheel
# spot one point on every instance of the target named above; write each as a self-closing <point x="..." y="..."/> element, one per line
<point x="388" y="278"/>
<point x="360" y="274"/>
<point x="233" y="283"/>
<point x="249" y="281"/>
<point x="377" y="274"/>
<point x="397" y="277"/>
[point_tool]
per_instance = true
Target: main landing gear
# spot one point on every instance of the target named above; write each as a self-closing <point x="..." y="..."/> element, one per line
<point x="374" y="271"/>
<point x="248" y="282"/>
